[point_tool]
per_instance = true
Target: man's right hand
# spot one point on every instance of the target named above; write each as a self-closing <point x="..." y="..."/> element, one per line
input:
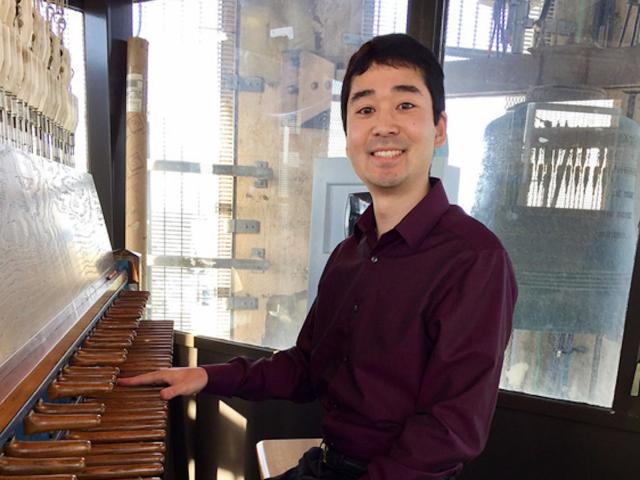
<point x="180" y="381"/>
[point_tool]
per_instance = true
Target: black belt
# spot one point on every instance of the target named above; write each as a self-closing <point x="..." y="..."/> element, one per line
<point x="350" y="466"/>
<point x="342" y="463"/>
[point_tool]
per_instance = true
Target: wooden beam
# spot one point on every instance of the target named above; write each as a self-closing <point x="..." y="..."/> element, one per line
<point x="98" y="108"/>
<point x="426" y="22"/>
<point x="559" y="65"/>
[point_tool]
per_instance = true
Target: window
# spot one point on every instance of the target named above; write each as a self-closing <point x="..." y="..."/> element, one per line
<point x="546" y="156"/>
<point x="243" y="104"/>
<point x="187" y="128"/>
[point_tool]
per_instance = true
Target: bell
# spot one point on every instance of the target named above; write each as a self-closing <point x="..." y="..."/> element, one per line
<point x="560" y="189"/>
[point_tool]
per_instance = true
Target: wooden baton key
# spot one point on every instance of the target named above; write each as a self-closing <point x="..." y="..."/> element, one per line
<point x="42" y="422"/>
<point x="134" y="447"/>
<point x="120" y="471"/>
<point x="75" y="389"/>
<point x="47" y="448"/>
<point x="124" y="459"/>
<point x="26" y="466"/>
<point x="60" y="476"/>
<point x="97" y="369"/>
<point x="116" y="436"/>
<point x="68" y="408"/>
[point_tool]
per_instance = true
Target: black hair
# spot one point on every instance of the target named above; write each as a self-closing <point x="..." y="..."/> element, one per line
<point x="396" y="50"/>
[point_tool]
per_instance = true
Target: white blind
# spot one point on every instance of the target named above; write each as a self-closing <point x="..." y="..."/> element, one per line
<point x="188" y="132"/>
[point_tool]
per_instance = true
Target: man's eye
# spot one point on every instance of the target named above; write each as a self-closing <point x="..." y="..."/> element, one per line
<point x="406" y="106"/>
<point x="365" y="110"/>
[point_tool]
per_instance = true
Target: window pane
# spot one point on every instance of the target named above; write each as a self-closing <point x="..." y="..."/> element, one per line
<point x="186" y="126"/>
<point x="292" y="122"/>
<point x="253" y="84"/>
<point x="545" y="144"/>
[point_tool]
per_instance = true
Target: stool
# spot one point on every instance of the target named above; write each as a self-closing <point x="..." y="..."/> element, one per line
<point x="278" y="456"/>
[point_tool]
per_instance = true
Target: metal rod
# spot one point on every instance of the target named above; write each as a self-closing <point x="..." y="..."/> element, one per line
<point x="634" y="37"/>
<point x="626" y="23"/>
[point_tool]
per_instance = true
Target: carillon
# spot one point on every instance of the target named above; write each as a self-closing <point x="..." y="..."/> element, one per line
<point x="38" y="112"/>
<point x="95" y="429"/>
<point x="72" y="323"/>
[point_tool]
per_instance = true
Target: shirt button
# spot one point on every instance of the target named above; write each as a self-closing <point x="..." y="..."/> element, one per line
<point x="356" y="307"/>
<point x="345" y="359"/>
<point x="374" y="259"/>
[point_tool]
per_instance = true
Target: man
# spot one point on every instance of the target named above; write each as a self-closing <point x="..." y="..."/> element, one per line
<point x="404" y="343"/>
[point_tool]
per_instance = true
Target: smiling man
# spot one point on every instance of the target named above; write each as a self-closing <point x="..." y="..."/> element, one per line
<point x="391" y="134"/>
<point x="403" y="346"/>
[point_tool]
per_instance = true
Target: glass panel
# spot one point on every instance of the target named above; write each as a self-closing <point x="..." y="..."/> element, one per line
<point x="544" y="141"/>
<point x="300" y="49"/>
<point x="186" y="137"/>
<point x="253" y="84"/>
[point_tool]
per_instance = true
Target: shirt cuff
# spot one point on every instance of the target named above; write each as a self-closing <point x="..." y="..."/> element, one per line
<point x="223" y="378"/>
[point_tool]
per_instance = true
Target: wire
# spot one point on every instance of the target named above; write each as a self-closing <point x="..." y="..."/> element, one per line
<point x="139" y="26"/>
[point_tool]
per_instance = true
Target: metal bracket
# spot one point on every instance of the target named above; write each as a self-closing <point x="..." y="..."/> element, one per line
<point x="243" y="226"/>
<point x="243" y="84"/>
<point x="176" y="166"/>
<point x="260" y="171"/>
<point x="242" y="303"/>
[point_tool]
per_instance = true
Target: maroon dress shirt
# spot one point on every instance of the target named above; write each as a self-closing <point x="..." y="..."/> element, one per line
<point x="403" y="345"/>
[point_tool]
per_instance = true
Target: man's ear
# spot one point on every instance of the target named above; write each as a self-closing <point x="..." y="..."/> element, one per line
<point x="441" y="130"/>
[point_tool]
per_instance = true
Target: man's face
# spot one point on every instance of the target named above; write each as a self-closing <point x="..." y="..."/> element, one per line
<point x="390" y="130"/>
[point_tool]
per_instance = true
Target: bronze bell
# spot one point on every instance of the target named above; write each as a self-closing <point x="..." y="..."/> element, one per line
<point x="560" y="189"/>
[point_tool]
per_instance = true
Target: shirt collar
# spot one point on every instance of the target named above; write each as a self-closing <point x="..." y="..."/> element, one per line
<point x="416" y="224"/>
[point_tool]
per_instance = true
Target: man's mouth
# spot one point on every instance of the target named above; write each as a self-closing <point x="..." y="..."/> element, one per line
<point x="387" y="153"/>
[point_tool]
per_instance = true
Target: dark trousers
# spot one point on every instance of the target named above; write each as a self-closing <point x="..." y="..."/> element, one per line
<point x="316" y="464"/>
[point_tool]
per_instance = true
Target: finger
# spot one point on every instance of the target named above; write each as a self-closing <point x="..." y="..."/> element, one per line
<point x="169" y="393"/>
<point x="152" y="378"/>
<point x="185" y="386"/>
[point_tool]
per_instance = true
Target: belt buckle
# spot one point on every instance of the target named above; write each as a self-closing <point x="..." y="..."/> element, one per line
<point x="325" y="451"/>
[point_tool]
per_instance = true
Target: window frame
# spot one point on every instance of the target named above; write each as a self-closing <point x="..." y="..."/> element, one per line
<point x="107" y="26"/>
<point x="426" y="21"/>
<point x="625" y="411"/>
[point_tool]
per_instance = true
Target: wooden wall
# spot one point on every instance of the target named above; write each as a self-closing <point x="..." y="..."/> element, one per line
<point x="285" y="125"/>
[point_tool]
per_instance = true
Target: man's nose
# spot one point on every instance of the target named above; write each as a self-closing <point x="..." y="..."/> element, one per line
<point x="385" y="125"/>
